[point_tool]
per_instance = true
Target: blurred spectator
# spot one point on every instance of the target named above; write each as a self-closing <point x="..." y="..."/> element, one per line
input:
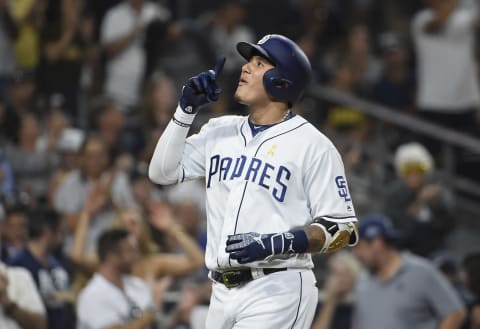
<point x="27" y="15"/>
<point x="20" y="304"/>
<point x="227" y="29"/>
<point x="448" y="90"/>
<point x="115" y="298"/>
<point x="471" y="267"/>
<point x="188" y="215"/>
<point x="396" y="87"/>
<point x="143" y="189"/>
<point x="160" y="101"/>
<point x="449" y="268"/>
<point x="14" y="233"/>
<point x="8" y="33"/>
<point x="68" y="149"/>
<point x="21" y="99"/>
<point x="51" y="278"/>
<point x="366" y="67"/>
<point x="56" y="122"/>
<point x="337" y="117"/>
<point x="189" y="311"/>
<point x="122" y="36"/>
<point x="111" y="188"/>
<point x="7" y="180"/>
<point x="110" y="125"/>
<point x="192" y="193"/>
<point x="356" y="52"/>
<point x="32" y="168"/>
<point x="336" y="304"/>
<point x="399" y="290"/>
<point x="65" y="40"/>
<point x="151" y="264"/>
<point x="263" y="20"/>
<point x="419" y="208"/>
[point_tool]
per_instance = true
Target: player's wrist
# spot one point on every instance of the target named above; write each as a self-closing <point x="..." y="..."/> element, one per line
<point x="187" y="107"/>
<point x="299" y="241"/>
<point x="291" y="242"/>
<point x="183" y="118"/>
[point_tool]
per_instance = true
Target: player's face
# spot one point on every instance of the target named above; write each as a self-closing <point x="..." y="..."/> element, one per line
<point x="250" y="90"/>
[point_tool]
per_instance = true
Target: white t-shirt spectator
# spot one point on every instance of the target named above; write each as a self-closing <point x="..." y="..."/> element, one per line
<point x="102" y="304"/>
<point x="447" y="74"/>
<point x="126" y="69"/>
<point x="21" y="290"/>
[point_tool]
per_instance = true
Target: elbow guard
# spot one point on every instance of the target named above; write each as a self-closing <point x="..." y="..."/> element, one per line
<point x="337" y="235"/>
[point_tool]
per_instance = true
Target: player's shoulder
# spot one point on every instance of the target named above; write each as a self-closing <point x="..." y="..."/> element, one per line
<point x="313" y="136"/>
<point x="223" y="122"/>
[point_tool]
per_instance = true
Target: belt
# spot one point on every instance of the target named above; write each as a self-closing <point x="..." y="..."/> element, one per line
<point x="234" y="278"/>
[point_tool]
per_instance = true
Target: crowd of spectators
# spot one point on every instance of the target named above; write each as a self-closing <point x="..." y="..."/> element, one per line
<point x="87" y="86"/>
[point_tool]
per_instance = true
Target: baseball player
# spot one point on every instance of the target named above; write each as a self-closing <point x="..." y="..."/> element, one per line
<point x="276" y="189"/>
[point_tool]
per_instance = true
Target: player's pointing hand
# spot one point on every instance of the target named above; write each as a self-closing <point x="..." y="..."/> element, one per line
<point x="201" y="89"/>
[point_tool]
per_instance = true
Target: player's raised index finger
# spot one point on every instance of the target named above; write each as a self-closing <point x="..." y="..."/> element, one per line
<point x="219" y="66"/>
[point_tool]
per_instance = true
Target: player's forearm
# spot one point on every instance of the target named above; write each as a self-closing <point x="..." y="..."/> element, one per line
<point x="326" y="236"/>
<point x="315" y="237"/>
<point x="165" y="163"/>
<point x="453" y="320"/>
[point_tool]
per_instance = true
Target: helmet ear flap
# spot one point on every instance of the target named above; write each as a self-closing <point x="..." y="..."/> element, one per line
<point x="275" y="84"/>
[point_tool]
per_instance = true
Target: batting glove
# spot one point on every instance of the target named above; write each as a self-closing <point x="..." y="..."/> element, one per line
<point x="250" y="247"/>
<point x="201" y="89"/>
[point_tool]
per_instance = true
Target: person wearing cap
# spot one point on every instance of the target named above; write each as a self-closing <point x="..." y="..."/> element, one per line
<point x="399" y="290"/>
<point x="396" y="86"/>
<point x="418" y="207"/>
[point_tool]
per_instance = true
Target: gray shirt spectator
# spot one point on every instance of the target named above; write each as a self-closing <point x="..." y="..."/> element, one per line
<point x="400" y="290"/>
<point x="32" y="169"/>
<point x="417" y="296"/>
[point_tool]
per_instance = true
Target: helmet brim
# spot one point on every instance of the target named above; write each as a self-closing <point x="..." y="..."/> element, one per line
<point x="247" y="50"/>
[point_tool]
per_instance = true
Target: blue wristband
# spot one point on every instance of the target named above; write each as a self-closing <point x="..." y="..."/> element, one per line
<point x="300" y="241"/>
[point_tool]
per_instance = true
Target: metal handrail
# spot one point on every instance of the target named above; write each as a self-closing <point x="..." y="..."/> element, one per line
<point x="395" y="117"/>
<point x="449" y="137"/>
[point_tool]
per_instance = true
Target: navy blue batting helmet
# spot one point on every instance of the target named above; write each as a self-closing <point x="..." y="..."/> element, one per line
<point x="292" y="72"/>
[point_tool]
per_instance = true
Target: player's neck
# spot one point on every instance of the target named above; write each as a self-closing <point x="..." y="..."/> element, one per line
<point x="270" y="114"/>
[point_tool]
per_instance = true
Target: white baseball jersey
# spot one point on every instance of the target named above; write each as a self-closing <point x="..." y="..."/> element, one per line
<point x="275" y="181"/>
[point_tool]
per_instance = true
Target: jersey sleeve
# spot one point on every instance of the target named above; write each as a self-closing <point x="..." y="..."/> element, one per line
<point x="177" y="158"/>
<point x="193" y="159"/>
<point x="327" y="189"/>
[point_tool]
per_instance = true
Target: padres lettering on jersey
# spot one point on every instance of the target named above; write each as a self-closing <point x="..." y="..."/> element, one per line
<point x="271" y="177"/>
<point x="274" y="181"/>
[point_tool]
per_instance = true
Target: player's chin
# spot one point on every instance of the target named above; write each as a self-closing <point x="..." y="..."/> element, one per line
<point x="238" y="96"/>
